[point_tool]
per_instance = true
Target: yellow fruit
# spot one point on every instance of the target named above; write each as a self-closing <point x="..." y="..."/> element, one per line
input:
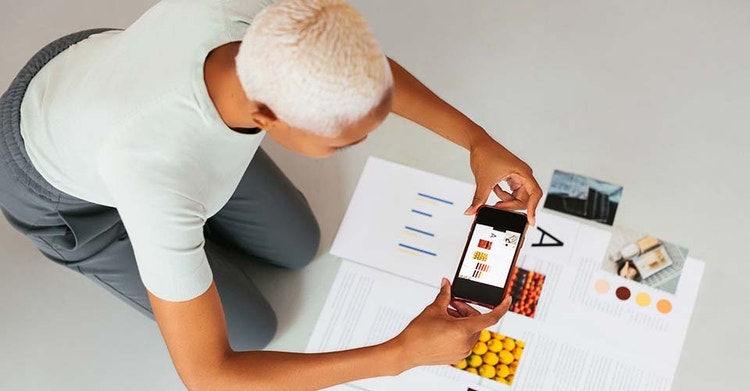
<point x="520" y="344"/>
<point x="506" y="357"/>
<point x="509" y="344"/>
<point x="498" y="336"/>
<point x="503" y="370"/>
<point x="461" y="364"/>
<point x="480" y="348"/>
<point x="487" y="371"/>
<point x="490" y="358"/>
<point x="471" y="370"/>
<point x="517" y="352"/>
<point x="512" y="369"/>
<point x="502" y="380"/>
<point x="510" y="379"/>
<point x="474" y="361"/>
<point x="495" y="345"/>
<point x="485" y="335"/>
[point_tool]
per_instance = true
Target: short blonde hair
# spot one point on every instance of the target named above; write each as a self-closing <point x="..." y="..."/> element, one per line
<point x="314" y="63"/>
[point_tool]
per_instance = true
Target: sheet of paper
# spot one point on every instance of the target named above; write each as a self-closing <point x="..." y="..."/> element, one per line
<point x="406" y="221"/>
<point x="368" y="306"/>
<point x="584" y="328"/>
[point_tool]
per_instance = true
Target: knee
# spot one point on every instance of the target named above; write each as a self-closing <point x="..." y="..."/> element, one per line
<point x="305" y="247"/>
<point x="245" y="337"/>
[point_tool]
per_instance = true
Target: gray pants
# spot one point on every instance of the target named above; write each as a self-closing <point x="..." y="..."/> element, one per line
<point x="267" y="219"/>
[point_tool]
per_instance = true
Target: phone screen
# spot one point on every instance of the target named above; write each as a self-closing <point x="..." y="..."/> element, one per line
<point x="491" y="250"/>
<point x="489" y="255"/>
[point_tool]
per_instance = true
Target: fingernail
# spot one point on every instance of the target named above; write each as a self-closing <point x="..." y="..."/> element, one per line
<point x="444" y="282"/>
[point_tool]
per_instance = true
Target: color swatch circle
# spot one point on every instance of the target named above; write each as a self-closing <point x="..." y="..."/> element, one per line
<point x="602" y="286"/>
<point x="622" y="293"/>
<point x="664" y="306"/>
<point x="643" y="299"/>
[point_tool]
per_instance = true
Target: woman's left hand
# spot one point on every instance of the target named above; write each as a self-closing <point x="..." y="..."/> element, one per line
<point x="491" y="164"/>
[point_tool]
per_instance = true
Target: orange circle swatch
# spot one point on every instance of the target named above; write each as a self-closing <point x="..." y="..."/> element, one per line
<point x="602" y="286"/>
<point x="664" y="306"/>
<point x="643" y="299"/>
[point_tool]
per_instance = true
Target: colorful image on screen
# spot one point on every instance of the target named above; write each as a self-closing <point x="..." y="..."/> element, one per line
<point x="486" y="263"/>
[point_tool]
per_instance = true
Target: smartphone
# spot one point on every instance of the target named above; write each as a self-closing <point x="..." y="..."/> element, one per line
<point x="489" y="256"/>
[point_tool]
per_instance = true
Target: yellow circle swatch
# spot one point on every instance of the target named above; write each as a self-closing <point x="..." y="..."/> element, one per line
<point x="664" y="306"/>
<point x="643" y="299"/>
<point x="602" y="286"/>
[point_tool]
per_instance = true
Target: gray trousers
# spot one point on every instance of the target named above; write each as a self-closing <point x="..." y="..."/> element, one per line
<point x="267" y="219"/>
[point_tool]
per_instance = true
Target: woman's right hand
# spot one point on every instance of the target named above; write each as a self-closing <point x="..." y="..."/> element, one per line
<point x="445" y="335"/>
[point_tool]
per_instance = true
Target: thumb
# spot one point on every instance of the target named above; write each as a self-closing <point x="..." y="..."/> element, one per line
<point x="444" y="296"/>
<point x="501" y="309"/>
<point x="491" y="318"/>
<point x="481" y="193"/>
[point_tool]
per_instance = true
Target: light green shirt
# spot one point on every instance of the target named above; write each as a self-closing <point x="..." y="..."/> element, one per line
<point x="124" y="119"/>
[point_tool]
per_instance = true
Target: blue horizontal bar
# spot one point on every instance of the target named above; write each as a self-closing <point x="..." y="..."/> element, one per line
<point x="435" y="198"/>
<point x="419" y="231"/>
<point x="417" y="249"/>
<point x="419" y="212"/>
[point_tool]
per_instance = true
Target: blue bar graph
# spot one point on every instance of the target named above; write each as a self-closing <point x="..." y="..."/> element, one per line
<point x="435" y="198"/>
<point x="417" y="249"/>
<point x="419" y="212"/>
<point x="419" y="231"/>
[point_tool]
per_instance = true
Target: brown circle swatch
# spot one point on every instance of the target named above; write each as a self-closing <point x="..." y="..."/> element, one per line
<point x="622" y="293"/>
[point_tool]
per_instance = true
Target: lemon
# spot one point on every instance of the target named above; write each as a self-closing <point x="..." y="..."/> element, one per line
<point x="510" y="379"/>
<point x="461" y="364"/>
<point x="517" y="352"/>
<point x="513" y="366"/>
<point x="480" y="348"/>
<point x="495" y="345"/>
<point x="506" y="357"/>
<point x="520" y="344"/>
<point x="509" y="344"/>
<point x="490" y="358"/>
<point x="484" y="335"/>
<point x="487" y="371"/>
<point x="498" y="336"/>
<point x="471" y="370"/>
<point x="474" y="361"/>
<point x="503" y="370"/>
<point x="502" y="380"/>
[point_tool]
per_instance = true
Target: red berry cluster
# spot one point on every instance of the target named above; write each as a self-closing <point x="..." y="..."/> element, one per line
<point x="525" y="288"/>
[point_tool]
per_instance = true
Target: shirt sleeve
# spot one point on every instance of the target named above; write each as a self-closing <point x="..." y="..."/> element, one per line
<point x="163" y="220"/>
<point x="238" y="14"/>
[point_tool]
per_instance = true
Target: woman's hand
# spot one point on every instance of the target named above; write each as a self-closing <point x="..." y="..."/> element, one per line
<point x="491" y="164"/>
<point x="490" y="161"/>
<point x="445" y="335"/>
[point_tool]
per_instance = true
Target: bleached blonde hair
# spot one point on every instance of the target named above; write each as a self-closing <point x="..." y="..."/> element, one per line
<point x="314" y="63"/>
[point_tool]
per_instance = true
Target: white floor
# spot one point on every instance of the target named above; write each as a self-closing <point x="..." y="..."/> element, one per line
<point x="650" y="95"/>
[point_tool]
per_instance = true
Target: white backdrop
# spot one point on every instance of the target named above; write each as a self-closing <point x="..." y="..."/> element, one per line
<point x="649" y="95"/>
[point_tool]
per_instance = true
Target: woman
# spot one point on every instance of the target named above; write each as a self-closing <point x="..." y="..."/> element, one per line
<point x="123" y="150"/>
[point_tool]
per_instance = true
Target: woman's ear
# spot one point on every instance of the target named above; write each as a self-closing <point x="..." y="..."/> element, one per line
<point x="264" y="118"/>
